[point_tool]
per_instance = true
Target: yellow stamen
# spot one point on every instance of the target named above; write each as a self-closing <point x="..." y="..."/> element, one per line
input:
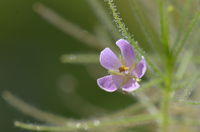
<point x="123" y="68"/>
<point x="138" y="79"/>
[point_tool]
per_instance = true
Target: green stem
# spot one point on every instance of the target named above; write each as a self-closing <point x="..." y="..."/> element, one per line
<point x="128" y="36"/>
<point x="165" y="110"/>
<point x="166" y="94"/>
<point x="165" y="121"/>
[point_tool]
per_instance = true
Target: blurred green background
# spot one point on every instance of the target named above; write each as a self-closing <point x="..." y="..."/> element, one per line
<point x="30" y="64"/>
<point x="31" y="48"/>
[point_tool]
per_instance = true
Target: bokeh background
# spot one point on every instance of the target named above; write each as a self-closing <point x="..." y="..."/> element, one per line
<point x="31" y="50"/>
<point x="31" y="69"/>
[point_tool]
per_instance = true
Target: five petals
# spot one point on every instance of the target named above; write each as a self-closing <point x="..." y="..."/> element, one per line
<point x="110" y="61"/>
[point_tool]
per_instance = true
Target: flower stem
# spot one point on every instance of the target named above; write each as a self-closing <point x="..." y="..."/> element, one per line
<point x="165" y="111"/>
<point x="129" y="37"/>
<point x="167" y="93"/>
<point x="169" y="62"/>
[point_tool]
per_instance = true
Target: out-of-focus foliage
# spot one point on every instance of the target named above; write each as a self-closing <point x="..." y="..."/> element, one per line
<point x="49" y="58"/>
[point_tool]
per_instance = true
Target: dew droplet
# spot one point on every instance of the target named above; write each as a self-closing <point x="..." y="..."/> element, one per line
<point x="78" y="125"/>
<point x="85" y="126"/>
<point x="37" y="127"/>
<point x="72" y="57"/>
<point x="96" y="122"/>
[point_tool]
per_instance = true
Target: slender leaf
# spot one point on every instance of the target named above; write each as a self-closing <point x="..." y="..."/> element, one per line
<point x="80" y="58"/>
<point x="88" y="125"/>
<point x="66" y="26"/>
<point x="103" y="17"/>
<point x="190" y="27"/>
<point x="32" y="111"/>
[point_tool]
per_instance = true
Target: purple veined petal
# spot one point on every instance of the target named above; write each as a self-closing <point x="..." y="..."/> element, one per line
<point x="106" y="83"/>
<point x="126" y="51"/>
<point x="118" y="80"/>
<point x="140" y="68"/>
<point x="130" y="85"/>
<point x="109" y="60"/>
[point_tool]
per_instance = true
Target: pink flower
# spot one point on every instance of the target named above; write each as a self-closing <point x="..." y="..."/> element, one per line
<point x="125" y="73"/>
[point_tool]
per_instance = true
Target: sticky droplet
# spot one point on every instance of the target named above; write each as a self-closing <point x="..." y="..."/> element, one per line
<point x="78" y="125"/>
<point x="96" y="122"/>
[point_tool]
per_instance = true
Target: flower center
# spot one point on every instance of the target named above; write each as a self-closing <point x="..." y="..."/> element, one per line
<point x="123" y="68"/>
<point x="137" y="79"/>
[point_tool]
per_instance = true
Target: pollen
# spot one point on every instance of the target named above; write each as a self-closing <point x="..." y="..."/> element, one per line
<point x="123" y="68"/>
<point x="138" y="79"/>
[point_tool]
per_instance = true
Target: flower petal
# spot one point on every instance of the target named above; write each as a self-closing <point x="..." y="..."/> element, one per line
<point x="126" y="51"/>
<point x="109" y="60"/>
<point x="118" y="80"/>
<point x="130" y="85"/>
<point x="106" y="83"/>
<point x="140" y="69"/>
